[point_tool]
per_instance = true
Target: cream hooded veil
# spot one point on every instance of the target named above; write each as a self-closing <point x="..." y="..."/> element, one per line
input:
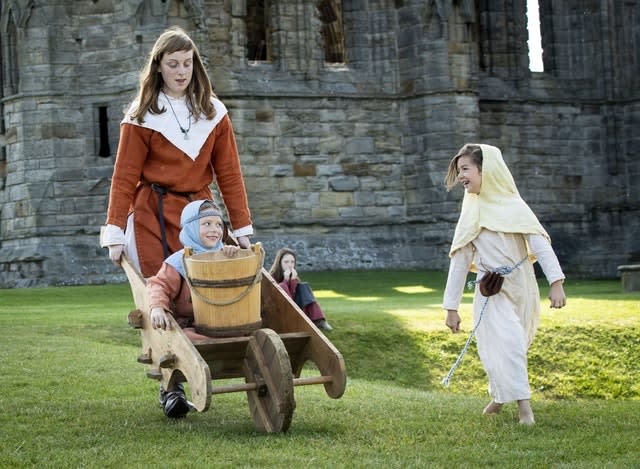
<point x="498" y="206"/>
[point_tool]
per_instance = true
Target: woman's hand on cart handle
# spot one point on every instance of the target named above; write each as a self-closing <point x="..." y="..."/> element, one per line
<point x="244" y="242"/>
<point x="115" y="253"/>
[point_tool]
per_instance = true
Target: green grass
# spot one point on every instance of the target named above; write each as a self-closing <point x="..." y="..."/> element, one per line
<point x="73" y="394"/>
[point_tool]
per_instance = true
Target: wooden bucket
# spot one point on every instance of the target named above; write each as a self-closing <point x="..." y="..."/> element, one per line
<point x="225" y="291"/>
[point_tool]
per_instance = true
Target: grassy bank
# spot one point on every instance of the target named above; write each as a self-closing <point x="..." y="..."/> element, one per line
<point x="73" y="394"/>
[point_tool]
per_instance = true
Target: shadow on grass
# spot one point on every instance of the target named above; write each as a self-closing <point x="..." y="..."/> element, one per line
<point x="389" y="326"/>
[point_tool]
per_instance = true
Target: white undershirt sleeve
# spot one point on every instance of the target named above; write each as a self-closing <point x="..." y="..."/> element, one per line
<point x="244" y="231"/>
<point x="541" y="248"/>
<point x="458" y="269"/>
<point x="111" y="235"/>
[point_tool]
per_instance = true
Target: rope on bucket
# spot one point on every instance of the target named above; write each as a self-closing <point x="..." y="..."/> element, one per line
<point x="250" y="281"/>
<point x="503" y="270"/>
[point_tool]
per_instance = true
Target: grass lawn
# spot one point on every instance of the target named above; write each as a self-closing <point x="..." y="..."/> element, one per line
<point x="73" y="394"/>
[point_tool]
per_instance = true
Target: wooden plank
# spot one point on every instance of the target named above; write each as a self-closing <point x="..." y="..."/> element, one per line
<point x="223" y="349"/>
<point x="280" y="313"/>
<point x="225" y="355"/>
<point x="296" y="344"/>
<point x="158" y="344"/>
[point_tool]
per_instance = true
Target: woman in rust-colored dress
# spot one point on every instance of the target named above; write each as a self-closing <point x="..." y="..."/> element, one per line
<point x="175" y="140"/>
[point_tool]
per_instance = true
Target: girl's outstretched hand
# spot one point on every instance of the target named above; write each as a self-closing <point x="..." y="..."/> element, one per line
<point x="453" y="321"/>
<point x="556" y="295"/>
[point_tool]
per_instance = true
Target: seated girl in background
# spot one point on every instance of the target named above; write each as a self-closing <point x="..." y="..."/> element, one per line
<point x="284" y="272"/>
<point x="169" y="293"/>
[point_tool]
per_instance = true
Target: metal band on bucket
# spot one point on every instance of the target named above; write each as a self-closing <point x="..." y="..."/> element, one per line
<point x="255" y="279"/>
<point x="230" y="283"/>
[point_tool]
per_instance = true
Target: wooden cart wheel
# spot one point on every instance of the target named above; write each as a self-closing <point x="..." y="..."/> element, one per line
<point x="267" y="365"/>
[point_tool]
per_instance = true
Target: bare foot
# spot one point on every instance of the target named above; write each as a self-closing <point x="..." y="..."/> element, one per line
<point x="525" y="412"/>
<point x="492" y="408"/>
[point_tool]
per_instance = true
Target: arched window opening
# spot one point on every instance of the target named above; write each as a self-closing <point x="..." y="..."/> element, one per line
<point x="10" y="53"/>
<point x="535" y="39"/>
<point x="2" y="62"/>
<point x="3" y="150"/>
<point x="332" y="30"/>
<point x="258" y="26"/>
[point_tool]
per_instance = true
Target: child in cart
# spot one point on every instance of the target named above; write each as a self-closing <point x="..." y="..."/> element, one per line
<point x="168" y="291"/>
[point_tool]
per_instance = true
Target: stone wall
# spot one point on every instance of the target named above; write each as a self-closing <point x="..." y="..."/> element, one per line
<point x="343" y="162"/>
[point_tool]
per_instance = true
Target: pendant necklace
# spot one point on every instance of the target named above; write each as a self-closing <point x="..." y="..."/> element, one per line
<point x="185" y="132"/>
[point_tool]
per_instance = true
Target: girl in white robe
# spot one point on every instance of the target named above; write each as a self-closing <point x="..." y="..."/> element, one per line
<point x="497" y="229"/>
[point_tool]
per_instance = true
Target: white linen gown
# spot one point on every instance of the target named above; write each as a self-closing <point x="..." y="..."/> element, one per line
<point x="510" y="318"/>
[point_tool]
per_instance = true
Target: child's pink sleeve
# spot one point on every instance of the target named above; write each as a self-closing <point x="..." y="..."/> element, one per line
<point x="164" y="287"/>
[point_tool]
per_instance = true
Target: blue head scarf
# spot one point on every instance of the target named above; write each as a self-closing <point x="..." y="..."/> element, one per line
<point x="190" y="232"/>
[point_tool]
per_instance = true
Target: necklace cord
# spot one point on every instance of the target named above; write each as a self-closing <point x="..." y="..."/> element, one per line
<point x="182" y="129"/>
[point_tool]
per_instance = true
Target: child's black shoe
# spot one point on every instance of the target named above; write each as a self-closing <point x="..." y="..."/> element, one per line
<point x="174" y="402"/>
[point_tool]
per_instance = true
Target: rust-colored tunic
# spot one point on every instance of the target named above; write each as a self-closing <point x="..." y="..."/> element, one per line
<point x="146" y="156"/>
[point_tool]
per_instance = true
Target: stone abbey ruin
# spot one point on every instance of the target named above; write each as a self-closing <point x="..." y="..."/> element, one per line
<point x="346" y="114"/>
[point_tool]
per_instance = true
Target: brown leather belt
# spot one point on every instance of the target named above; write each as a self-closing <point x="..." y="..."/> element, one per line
<point x="162" y="191"/>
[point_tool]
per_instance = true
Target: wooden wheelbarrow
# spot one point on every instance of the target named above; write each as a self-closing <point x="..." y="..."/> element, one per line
<point x="270" y="359"/>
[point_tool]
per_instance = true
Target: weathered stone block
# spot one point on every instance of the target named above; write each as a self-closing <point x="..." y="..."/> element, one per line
<point x="344" y="183"/>
<point x="630" y="276"/>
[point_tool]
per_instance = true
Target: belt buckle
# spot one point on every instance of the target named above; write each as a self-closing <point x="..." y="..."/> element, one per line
<point x="158" y="188"/>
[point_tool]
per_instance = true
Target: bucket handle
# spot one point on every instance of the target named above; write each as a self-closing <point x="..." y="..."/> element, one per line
<point x="256" y="279"/>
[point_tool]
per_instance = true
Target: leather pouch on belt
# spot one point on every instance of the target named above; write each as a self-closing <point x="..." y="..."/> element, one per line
<point x="491" y="283"/>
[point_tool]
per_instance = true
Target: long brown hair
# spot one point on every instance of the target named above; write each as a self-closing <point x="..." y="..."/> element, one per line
<point x="276" y="268"/>
<point x="199" y="91"/>
<point x="470" y="149"/>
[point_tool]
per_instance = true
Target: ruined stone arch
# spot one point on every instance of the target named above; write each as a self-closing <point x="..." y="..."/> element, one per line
<point x="436" y="15"/>
<point x="502" y="39"/>
<point x="332" y="30"/>
<point x="19" y="10"/>
<point x="153" y="15"/>
<point x="13" y="17"/>
<point x="258" y="27"/>
<point x="185" y="11"/>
